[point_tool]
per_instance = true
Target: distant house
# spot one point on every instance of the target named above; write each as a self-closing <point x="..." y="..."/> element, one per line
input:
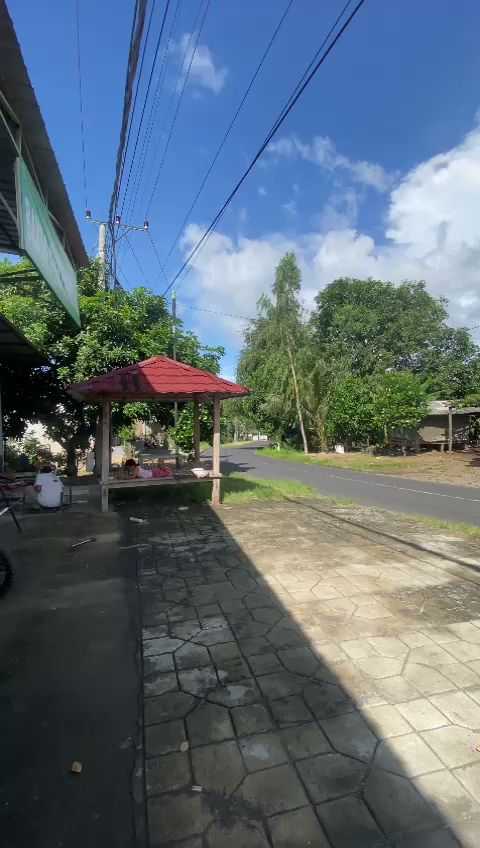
<point x="433" y="431"/>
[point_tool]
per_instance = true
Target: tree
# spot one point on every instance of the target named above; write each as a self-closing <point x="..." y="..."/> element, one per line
<point x="369" y="409"/>
<point x="269" y="360"/>
<point x="118" y="328"/>
<point x="399" y="402"/>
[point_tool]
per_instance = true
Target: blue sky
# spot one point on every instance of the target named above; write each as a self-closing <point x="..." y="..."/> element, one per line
<point x="376" y="172"/>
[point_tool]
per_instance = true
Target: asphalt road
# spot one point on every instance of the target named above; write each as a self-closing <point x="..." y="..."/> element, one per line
<point x="400" y="494"/>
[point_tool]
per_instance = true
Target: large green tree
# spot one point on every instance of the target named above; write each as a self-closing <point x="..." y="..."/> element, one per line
<point x="371" y="325"/>
<point x="118" y="328"/>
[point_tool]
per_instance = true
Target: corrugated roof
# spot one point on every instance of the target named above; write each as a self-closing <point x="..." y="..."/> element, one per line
<point x="158" y="378"/>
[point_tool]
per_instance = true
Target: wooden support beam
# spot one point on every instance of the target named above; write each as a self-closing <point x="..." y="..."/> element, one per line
<point x="216" y="452"/>
<point x="196" y="430"/>
<point x="105" y="454"/>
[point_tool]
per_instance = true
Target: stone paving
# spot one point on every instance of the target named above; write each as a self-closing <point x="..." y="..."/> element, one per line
<point x="307" y="683"/>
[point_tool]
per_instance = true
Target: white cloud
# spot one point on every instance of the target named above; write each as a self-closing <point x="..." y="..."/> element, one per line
<point x="203" y="72"/>
<point x="322" y="151"/>
<point x="432" y="234"/>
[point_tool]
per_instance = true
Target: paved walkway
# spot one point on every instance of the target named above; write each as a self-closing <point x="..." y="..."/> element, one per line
<point x="414" y="497"/>
<point x="308" y="682"/>
<point x="68" y="685"/>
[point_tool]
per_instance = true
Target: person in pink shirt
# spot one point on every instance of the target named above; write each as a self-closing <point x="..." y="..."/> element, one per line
<point x="133" y="469"/>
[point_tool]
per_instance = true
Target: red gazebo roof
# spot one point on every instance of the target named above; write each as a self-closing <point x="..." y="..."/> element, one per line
<point x="157" y="378"/>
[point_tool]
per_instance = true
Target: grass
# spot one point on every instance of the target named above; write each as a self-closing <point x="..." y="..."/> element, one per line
<point x="458" y="528"/>
<point x="236" y="489"/>
<point x="353" y="462"/>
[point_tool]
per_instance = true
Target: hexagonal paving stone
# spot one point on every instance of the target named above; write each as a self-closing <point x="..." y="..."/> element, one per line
<point x="397" y="806"/>
<point x="198" y="681"/>
<point x="454" y="745"/>
<point x="167" y="773"/>
<point x="444" y="790"/>
<point x="263" y="663"/>
<point x="381" y="667"/>
<point x="164" y="738"/>
<point x="421" y="714"/>
<point x="388" y="646"/>
<point x="297" y="829"/>
<point x="470" y="777"/>
<point x="191" y="656"/>
<point x="459" y="709"/>
<point x="280" y="684"/>
<point x="164" y="645"/>
<point x="305" y="740"/>
<point x="406" y="755"/>
<point x="327" y="700"/>
<point x="428" y="681"/>
<point x="262" y="751"/>
<point x="157" y="684"/>
<point x="280" y="790"/>
<point x="299" y="660"/>
<point x="269" y="615"/>
<point x="209" y="723"/>
<point x="158" y="664"/>
<point x="349" y="824"/>
<point x="350" y="734"/>
<point x="235" y="694"/>
<point x="237" y="834"/>
<point x="177" y="816"/>
<point x="253" y="718"/>
<point x="372" y="611"/>
<point x="330" y="776"/>
<point x="218" y="768"/>
<point x="290" y="710"/>
<point x="213" y="636"/>
<point x="169" y="706"/>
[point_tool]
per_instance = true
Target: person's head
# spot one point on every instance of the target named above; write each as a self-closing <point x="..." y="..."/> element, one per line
<point x="130" y="463"/>
<point x="46" y="469"/>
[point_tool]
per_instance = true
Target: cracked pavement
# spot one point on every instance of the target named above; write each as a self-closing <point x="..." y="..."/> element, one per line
<point x="308" y="681"/>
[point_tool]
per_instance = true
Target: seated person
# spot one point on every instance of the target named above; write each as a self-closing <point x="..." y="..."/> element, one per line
<point x="48" y="488"/>
<point x="133" y="469"/>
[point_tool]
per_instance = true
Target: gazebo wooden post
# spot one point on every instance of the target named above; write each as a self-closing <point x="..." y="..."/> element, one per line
<point x="105" y="453"/>
<point x="196" y="430"/>
<point x="216" y="452"/>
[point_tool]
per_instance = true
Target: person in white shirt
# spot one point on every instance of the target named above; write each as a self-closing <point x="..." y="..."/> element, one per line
<point x="48" y="488"/>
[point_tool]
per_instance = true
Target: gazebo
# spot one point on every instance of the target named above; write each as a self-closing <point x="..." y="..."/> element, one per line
<point x="161" y="379"/>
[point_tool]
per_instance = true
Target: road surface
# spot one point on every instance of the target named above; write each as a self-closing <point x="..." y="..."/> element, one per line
<point x="400" y="494"/>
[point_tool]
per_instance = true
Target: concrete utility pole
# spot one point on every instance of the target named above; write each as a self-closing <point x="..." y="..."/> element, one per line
<point x="174" y="356"/>
<point x="102" y="255"/>
<point x="450" y="428"/>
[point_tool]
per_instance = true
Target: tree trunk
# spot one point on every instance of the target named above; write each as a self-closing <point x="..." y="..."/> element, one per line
<point x="71" y="459"/>
<point x="297" y="399"/>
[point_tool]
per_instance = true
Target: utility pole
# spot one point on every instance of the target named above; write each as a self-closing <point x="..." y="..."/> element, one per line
<point x="174" y="356"/>
<point x="105" y="271"/>
<point x="450" y="428"/>
<point x="102" y="255"/>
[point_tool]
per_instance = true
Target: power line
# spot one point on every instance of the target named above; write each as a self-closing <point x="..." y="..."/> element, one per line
<point x="137" y="89"/>
<point x="145" y="99"/>
<point x="215" y="312"/>
<point x="230" y="127"/>
<point x="80" y="99"/>
<point x="136" y="34"/>
<point x="179" y="103"/>
<point x="157" y="255"/>
<point x="137" y="260"/>
<point x="147" y="138"/>
<point x="286" y="111"/>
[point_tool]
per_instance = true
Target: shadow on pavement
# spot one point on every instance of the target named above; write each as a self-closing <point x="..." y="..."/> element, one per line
<point x="68" y="685"/>
<point x="295" y="692"/>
